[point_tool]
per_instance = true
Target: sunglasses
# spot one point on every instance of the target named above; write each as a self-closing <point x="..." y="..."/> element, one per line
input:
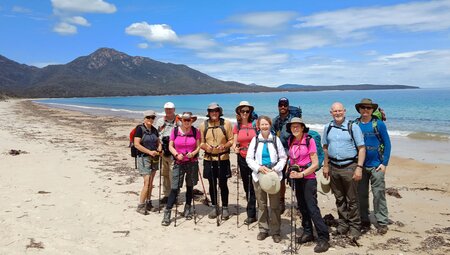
<point x="150" y="117"/>
<point x="364" y="107"/>
<point x="283" y="105"/>
<point x="245" y="111"/>
<point x="214" y="110"/>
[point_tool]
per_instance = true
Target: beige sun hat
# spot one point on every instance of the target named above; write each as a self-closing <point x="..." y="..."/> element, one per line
<point x="366" y="101"/>
<point x="323" y="184"/>
<point x="149" y="113"/>
<point x="189" y="115"/>
<point x="244" y="104"/>
<point x="270" y="182"/>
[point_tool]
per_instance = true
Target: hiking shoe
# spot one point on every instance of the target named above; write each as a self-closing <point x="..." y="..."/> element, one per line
<point x="141" y="209"/>
<point x="365" y="227"/>
<point x="213" y="213"/>
<point x="382" y="229"/>
<point x="225" y="213"/>
<point x="276" y="238"/>
<point x="148" y="205"/>
<point x="262" y="235"/>
<point x="305" y="238"/>
<point x="188" y="212"/>
<point x="249" y="220"/>
<point x="166" y="217"/>
<point x="322" y="246"/>
<point x="164" y="200"/>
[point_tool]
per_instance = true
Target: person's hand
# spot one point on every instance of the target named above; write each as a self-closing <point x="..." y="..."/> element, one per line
<point x="296" y="175"/>
<point x="357" y="174"/>
<point x="209" y="148"/>
<point x="179" y="157"/>
<point x="264" y="170"/>
<point x="326" y="171"/>
<point x="154" y="153"/>
<point x="221" y="148"/>
<point x="236" y="149"/>
<point x="381" y="168"/>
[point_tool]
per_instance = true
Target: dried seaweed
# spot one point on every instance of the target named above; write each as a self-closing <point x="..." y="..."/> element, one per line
<point x="393" y="192"/>
<point x="35" y="245"/>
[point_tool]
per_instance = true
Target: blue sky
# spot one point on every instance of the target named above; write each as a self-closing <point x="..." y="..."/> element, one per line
<point x="263" y="42"/>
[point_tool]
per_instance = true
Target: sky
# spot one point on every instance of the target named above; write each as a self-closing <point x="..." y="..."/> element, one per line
<point x="269" y="43"/>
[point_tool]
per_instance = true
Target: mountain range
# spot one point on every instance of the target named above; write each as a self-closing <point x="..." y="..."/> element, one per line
<point x="107" y="72"/>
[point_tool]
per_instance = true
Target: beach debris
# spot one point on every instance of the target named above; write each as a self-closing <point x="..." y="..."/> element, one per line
<point x="43" y="192"/>
<point x="399" y="223"/>
<point x="330" y="220"/>
<point x="439" y="231"/>
<point x="130" y="192"/>
<point x="35" y="245"/>
<point x="428" y="189"/>
<point x="126" y="232"/>
<point x="343" y="241"/>
<point x="197" y="192"/>
<point x="395" y="242"/>
<point x="432" y="243"/>
<point x="16" y="152"/>
<point x="393" y="192"/>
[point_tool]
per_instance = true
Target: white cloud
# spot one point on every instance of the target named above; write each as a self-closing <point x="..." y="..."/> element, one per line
<point x="64" y="28"/>
<point x="153" y="33"/>
<point x="77" y="20"/>
<point x="415" y="16"/>
<point x="83" y="6"/>
<point x="304" y="41"/>
<point x="196" y="42"/>
<point x="143" y="45"/>
<point x="264" y="20"/>
<point x="403" y="55"/>
<point x="20" y="9"/>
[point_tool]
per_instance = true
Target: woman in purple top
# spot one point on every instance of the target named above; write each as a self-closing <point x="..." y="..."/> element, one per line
<point x="302" y="166"/>
<point x="184" y="145"/>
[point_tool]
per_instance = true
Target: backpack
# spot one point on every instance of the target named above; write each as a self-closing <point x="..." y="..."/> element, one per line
<point x="316" y="136"/>
<point x="377" y="134"/>
<point x="274" y="141"/>
<point x="350" y="131"/>
<point x="293" y="112"/>
<point x="221" y="126"/>
<point x="133" y="150"/>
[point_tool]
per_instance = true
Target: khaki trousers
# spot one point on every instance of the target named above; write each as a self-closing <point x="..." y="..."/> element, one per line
<point x="268" y="221"/>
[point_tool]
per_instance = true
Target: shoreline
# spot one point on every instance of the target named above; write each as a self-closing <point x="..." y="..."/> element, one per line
<point x="74" y="190"/>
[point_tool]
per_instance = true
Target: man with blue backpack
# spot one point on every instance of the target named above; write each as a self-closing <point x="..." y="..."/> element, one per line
<point x="378" y="152"/>
<point x="286" y="113"/>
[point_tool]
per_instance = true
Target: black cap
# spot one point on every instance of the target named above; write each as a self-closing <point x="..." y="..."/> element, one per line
<point x="283" y="100"/>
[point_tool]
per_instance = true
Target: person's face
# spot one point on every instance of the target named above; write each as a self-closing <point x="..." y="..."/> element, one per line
<point x="365" y="110"/>
<point x="283" y="108"/>
<point x="169" y="112"/>
<point x="338" y="112"/>
<point x="296" y="129"/>
<point x="149" y="120"/>
<point x="264" y="125"/>
<point x="214" y="114"/>
<point x="186" y="122"/>
<point x="244" y="112"/>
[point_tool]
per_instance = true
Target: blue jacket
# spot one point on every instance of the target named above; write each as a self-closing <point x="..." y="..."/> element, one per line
<point x="373" y="157"/>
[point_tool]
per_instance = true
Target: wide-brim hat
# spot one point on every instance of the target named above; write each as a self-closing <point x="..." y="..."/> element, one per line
<point x="189" y="115"/>
<point x="213" y="106"/>
<point x="269" y="182"/>
<point x="323" y="184"/>
<point x="294" y="120"/>
<point x="149" y="113"/>
<point x="244" y="104"/>
<point x="366" y="101"/>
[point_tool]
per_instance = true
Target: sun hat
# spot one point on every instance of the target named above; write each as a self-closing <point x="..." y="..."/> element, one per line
<point x="283" y="100"/>
<point x="169" y="105"/>
<point x="149" y="113"/>
<point x="244" y="104"/>
<point x="269" y="182"/>
<point x="323" y="184"/>
<point x="366" y="101"/>
<point x="189" y="115"/>
<point x="296" y="120"/>
<point x="213" y="106"/>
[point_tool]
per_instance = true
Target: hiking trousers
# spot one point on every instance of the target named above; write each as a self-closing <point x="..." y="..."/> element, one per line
<point x="268" y="221"/>
<point x="378" y="185"/>
<point x="246" y="176"/>
<point x="166" y="173"/>
<point x="345" y="190"/>
<point x="306" y="194"/>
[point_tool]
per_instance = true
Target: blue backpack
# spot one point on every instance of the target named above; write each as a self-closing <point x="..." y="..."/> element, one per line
<point x="316" y="136"/>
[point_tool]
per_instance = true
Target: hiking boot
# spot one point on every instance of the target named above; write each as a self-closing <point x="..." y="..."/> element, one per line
<point x="188" y="214"/>
<point x="305" y="238"/>
<point x="148" y="205"/>
<point x="382" y="229"/>
<point x="365" y="227"/>
<point x="213" y="213"/>
<point x="141" y="209"/>
<point x="249" y="220"/>
<point x="163" y="200"/>
<point x="166" y="217"/>
<point x="225" y="213"/>
<point x="276" y="238"/>
<point x="262" y="235"/>
<point x="322" y="246"/>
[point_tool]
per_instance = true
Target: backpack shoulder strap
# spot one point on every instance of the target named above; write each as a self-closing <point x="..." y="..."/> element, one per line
<point x="194" y="132"/>
<point x="175" y="132"/>
<point x="205" y="130"/>
<point x="350" y="131"/>
<point x="376" y="131"/>
<point x="222" y="127"/>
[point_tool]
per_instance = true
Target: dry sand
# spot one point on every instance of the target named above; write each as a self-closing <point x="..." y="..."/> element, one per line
<point x="73" y="190"/>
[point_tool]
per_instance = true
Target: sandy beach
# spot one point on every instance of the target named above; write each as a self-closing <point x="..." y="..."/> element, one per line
<point x="72" y="189"/>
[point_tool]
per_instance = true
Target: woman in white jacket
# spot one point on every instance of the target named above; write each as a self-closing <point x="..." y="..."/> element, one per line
<point x="265" y="155"/>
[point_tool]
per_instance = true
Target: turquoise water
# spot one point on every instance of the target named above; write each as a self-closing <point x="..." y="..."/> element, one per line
<point x="409" y="112"/>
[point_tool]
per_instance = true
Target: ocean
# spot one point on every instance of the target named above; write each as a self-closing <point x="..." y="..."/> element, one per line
<point x="416" y="113"/>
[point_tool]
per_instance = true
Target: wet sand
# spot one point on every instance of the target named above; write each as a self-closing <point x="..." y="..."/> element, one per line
<point x="72" y="189"/>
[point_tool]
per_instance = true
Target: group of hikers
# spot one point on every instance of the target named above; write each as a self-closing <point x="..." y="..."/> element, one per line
<point x="270" y="153"/>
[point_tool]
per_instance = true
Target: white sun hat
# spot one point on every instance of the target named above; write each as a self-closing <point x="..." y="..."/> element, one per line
<point x="269" y="182"/>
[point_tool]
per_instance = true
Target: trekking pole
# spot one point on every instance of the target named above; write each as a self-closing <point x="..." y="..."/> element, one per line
<point x="176" y="197"/>
<point x="293" y="201"/>
<point x="204" y="190"/>
<point x="248" y="195"/>
<point x="159" y="190"/>
<point x="292" y="215"/>
<point x="193" y="200"/>
<point x="237" y="197"/>
<point x="218" y="192"/>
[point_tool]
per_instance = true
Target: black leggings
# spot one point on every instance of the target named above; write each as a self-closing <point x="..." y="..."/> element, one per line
<point x="173" y="195"/>
<point x="223" y="190"/>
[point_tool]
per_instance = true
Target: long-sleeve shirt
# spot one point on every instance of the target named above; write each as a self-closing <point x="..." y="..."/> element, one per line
<point x="373" y="157"/>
